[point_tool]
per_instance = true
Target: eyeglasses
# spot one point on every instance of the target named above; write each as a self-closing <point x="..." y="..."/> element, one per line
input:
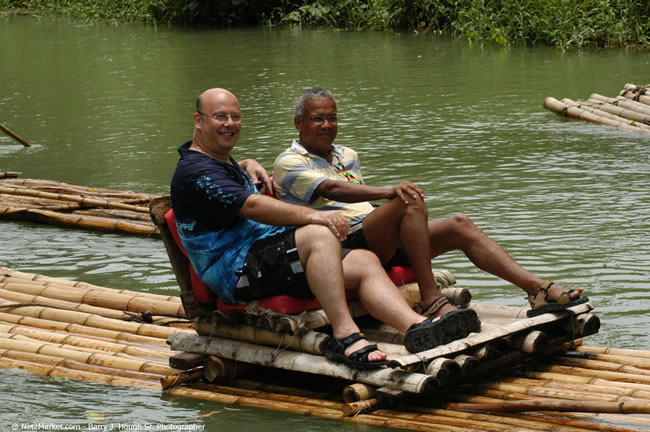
<point x="223" y="117"/>
<point x="319" y="119"/>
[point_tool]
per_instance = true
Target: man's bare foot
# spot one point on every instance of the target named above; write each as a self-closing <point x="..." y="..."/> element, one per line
<point x="554" y="292"/>
<point x="436" y="309"/>
<point x="362" y="343"/>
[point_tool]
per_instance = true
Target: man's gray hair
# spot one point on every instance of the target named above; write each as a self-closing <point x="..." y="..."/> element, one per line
<point x="309" y="94"/>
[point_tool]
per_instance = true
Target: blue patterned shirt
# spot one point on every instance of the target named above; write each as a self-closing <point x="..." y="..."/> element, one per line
<point x="207" y="195"/>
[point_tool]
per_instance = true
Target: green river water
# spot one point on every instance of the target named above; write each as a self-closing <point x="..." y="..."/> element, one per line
<point x="107" y="106"/>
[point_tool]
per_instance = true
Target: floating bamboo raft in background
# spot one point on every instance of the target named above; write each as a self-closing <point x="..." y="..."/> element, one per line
<point x="61" y="328"/>
<point x="630" y="110"/>
<point x="68" y="205"/>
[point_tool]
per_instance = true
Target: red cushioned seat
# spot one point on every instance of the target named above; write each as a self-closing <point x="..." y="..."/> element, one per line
<point x="282" y="303"/>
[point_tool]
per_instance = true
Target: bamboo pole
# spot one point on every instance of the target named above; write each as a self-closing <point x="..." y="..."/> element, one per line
<point x="580" y="379"/>
<point x="617" y="110"/>
<point x="525" y="385"/>
<point x="81" y="329"/>
<point x="62" y="304"/>
<point x="48" y="336"/>
<point x="91" y="320"/>
<point x="79" y="189"/>
<point x="120" y="302"/>
<point x="614" y="113"/>
<point x="614" y="376"/>
<point x="58" y="371"/>
<point x="119" y="214"/>
<point x="600" y="365"/>
<point x="516" y="422"/>
<point x="560" y="405"/>
<point x="620" y="102"/>
<point x="217" y="370"/>
<point x="86" y="222"/>
<point x="505" y="391"/>
<point x="568" y="420"/>
<point x="89" y="202"/>
<point x="615" y="351"/>
<point x="48" y="360"/>
<point x="52" y="281"/>
<point x="307" y="341"/>
<point x="112" y="361"/>
<point x="467" y="422"/>
<point x="14" y="136"/>
<point x="357" y="392"/>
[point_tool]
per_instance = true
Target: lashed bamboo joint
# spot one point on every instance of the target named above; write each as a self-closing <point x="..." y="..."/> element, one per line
<point x="630" y="110"/>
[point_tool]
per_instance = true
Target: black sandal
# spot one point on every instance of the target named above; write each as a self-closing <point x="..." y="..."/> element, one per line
<point x="451" y="326"/>
<point x="359" y="359"/>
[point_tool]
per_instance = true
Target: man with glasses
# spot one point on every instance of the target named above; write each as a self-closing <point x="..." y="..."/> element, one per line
<point x="317" y="173"/>
<point x="245" y="246"/>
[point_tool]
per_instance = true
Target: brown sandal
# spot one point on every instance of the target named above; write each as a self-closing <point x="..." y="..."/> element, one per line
<point x="432" y="309"/>
<point x="539" y="303"/>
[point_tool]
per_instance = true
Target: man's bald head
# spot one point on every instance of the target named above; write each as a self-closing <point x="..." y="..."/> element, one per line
<point x="213" y="94"/>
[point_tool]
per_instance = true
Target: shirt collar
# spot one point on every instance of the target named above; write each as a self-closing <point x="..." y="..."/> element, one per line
<point x="298" y="148"/>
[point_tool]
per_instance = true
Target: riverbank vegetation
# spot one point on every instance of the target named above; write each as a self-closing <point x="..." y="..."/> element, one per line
<point x="562" y="23"/>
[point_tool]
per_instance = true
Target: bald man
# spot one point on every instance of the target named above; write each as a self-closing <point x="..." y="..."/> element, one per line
<point x="245" y="246"/>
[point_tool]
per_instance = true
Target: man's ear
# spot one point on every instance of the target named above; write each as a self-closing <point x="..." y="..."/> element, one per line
<point x="197" y="117"/>
<point x="297" y="122"/>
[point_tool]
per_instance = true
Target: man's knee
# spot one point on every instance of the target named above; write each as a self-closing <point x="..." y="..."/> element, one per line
<point x="413" y="206"/>
<point x="363" y="260"/>
<point x="417" y="206"/>
<point x="315" y="236"/>
<point x="462" y="223"/>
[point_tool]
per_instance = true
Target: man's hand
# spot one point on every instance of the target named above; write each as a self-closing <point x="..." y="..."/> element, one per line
<point x="406" y="188"/>
<point x="258" y="174"/>
<point x="334" y="220"/>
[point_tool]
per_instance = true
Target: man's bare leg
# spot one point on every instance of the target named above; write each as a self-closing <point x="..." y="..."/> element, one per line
<point x="460" y="233"/>
<point x="393" y="224"/>
<point x="381" y="298"/>
<point x="378" y="294"/>
<point x="320" y="254"/>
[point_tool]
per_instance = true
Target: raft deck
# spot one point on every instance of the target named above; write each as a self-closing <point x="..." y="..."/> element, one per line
<point x="62" y="328"/>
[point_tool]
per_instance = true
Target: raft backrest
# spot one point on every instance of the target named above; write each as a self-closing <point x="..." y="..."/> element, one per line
<point x="158" y="207"/>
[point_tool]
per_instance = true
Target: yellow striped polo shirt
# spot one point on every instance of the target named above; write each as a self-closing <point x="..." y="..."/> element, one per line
<point x="297" y="173"/>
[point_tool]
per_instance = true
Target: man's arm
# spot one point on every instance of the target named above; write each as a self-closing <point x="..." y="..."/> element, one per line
<point x="272" y="211"/>
<point x="258" y="174"/>
<point x="343" y="191"/>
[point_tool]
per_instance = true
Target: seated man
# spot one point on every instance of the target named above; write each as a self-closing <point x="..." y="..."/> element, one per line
<point x="244" y="245"/>
<point x="316" y="173"/>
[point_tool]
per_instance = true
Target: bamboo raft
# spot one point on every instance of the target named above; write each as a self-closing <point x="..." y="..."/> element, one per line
<point x="537" y="380"/>
<point x="68" y="205"/>
<point x="630" y="110"/>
